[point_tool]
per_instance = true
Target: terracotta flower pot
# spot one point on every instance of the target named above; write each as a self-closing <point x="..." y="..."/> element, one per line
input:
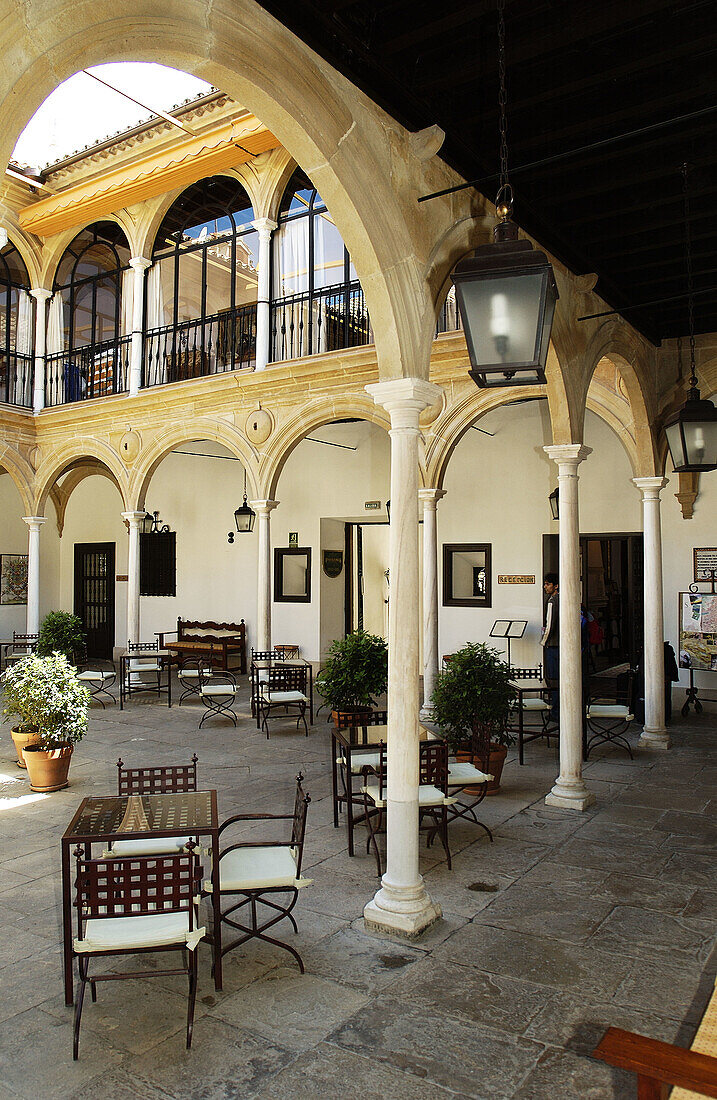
<point x="48" y="768"/>
<point x="21" y="740"/>
<point x="498" y="754"/>
<point x="342" y="716"/>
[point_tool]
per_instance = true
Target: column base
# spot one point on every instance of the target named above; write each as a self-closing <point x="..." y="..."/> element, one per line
<point x="656" y="740"/>
<point x="426" y="713"/>
<point x="565" y="796"/>
<point x="404" y="912"/>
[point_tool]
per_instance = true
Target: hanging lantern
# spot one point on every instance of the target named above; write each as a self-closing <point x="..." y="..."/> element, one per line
<point x="554" y="499"/>
<point x="244" y="516"/>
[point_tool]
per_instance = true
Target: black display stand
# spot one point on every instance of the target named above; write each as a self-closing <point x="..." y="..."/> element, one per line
<point x="508" y="629"/>
<point x="691" y="698"/>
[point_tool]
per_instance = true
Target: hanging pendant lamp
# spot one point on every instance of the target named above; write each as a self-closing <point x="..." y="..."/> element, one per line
<point x="244" y="515"/>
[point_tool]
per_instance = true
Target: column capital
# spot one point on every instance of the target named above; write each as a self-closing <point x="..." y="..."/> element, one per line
<point x="264" y="226"/>
<point x="134" y="518"/>
<point x="265" y="506"/>
<point x="40" y="293"/>
<point x="34" y="522"/>
<point x="139" y="263"/>
<point x="568" y="454"/>
<point x="430" y="497"/>
<point x="404" y="399"/>
<point x="650" y="487"/>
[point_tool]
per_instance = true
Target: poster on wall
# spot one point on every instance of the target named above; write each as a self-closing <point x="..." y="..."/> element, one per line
<point x="704" y="563"/>
<point x="13" y="578"/>
<point x="698" y="631"/>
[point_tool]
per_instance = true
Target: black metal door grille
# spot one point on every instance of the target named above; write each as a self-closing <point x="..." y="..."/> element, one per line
<point x="95" y="595"/>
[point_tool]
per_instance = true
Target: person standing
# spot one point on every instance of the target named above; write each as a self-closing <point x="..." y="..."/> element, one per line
<point x="550" y="642"/>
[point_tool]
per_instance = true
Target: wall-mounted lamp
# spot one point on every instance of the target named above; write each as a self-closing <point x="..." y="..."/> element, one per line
<point x="554" y="503"/>
<point x="150" y="525"/>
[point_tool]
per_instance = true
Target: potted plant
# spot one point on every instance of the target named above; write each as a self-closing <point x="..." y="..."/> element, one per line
<point x="355" y="673"/>
<point x="51" y="703"/>
<point x="61" y="632"/>
<point x="474" y="694"/>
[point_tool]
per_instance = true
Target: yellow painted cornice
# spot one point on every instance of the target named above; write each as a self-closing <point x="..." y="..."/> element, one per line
<point x="189" y="159"/>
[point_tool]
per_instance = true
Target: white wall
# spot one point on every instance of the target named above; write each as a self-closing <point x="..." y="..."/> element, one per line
<point x="13" y="540"/>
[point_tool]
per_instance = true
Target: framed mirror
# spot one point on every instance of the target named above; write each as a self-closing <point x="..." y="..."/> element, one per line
<point x="467" y="579"/>
<point x="292" y="574"/>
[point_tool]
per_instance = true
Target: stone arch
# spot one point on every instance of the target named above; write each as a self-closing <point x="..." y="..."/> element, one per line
<point x="21" y="474"/>
<point x="341" y="139"/>
<point x="28" y="249"/>
<point x="309" y="418"/>
<point x="54" y="247"/>
<point x="74" y="451"/>
<point x="464" y="235"/>
<point x="166" y="441"/>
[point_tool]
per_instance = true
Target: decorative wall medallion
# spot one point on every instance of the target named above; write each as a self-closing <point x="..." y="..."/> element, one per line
<point x="333" y="562"/>
<point x="130" y="446"/>
<point x="35" y="456"/>
<point x="259" y="425"/>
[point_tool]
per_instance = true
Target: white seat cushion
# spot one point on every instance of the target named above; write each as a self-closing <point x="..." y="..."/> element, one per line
<point x="162" y="846"/>
<point x="283" y="697"/>
<point x="465" y="772"/>
<point x="254" y="868"/>
<point x="93" y="676"/>
<point x="128" y="933"/>
<point x="359" y="761"/>
<point x="218" y="689"/>
<point x="428" y="795"/>
<point x="193" y="673"/>
<point x="609" y="710"/>
<point x="535" y="704"/>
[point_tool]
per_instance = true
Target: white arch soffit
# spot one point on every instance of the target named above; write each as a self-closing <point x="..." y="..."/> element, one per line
<point x="77" y="449"/>
<point x="200" y="430"/>
<point x="329" y="127"/>
<point x="20" y="473"/>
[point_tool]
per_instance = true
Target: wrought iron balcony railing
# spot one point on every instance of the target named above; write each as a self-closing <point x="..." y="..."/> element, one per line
<point x="92" y="371"/>
<point x="223" y="342"/>
<point x="16" y="377"/>
<point x="330" y="319"/>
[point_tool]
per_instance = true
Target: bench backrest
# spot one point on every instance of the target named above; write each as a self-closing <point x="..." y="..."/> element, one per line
<point x="188" y="630"/>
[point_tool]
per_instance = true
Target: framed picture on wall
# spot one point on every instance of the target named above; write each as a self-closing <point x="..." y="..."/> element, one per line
<point x="467" y="574"/>
<point x="13" y="578"/>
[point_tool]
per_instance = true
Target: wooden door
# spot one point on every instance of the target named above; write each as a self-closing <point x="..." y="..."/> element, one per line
<point x="95" y="595"/>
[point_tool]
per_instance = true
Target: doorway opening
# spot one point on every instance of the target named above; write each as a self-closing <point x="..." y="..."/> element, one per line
<point x="367" y="578"/>
<point x="95" y="596"/>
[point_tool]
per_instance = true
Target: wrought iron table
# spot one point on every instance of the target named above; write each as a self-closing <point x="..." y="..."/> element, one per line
<point x="522" y="688"/>
<point x="163" y="656"/>
<point x="258" y="666"/>
<point x="101" y="820"/>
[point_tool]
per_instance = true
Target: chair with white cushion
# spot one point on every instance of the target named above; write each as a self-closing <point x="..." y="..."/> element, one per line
<point x="353" y="750"/>
<point x="433" y="796"/>
<point x="98" y="681"/>
<point x="142" y="671"/>
<point x="190" y="674"/>
<point x="259" y="873"/>
<point x="468" y="779"/>
<point x="162" y="779"/>
<point x="218" y="692"/>
<point x="284" y="689"/>
<point x="261" y="661"/>
<point x="608" y="716"/>
<point x="134" y="906"/>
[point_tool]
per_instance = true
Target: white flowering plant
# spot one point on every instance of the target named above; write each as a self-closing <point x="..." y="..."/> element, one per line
<point x="47" y="697"/>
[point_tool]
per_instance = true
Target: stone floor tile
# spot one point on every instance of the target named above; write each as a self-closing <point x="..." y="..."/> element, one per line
<point x="569" y="1021"/>
<point x="695" y="869"/>
<point x="361" y="960"/>
<point x="564" y="876"/>
<point x="548" y="911"/>
<point x="633" y="859"/>
<point x="646" y="933"/>
<point x="444" y="1051"/>
<point x="621" y="813"/>
<point x="297" y="1010"/>
<point x="703" y="903"/>
<point x="504" y="856"/>
<point x="658" y="796"/>
<point x="561" y="1074"/>
<point x="666" y="988"/>
<point x="541" y="825"/>
<point x="32" y="981"/>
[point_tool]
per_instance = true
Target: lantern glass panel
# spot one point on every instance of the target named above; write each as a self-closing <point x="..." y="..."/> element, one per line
<point x="693" y="444"/>
<point x="244" y="518"/>
<point x="503" y="318"/>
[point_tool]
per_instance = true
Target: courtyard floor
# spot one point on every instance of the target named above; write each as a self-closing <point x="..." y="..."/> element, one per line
<point x="566" y="924"/>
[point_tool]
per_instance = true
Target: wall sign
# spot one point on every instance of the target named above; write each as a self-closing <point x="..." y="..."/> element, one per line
<point x="704" y="562"/>
<point x="516" y="578"/>
<point x="372" y="505"/>
<point x="293" y="538"/>
<point x="333" y="562"/>
<point x="122" y="577"/>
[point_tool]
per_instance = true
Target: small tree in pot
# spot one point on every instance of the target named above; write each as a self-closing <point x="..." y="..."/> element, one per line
<point x="473" y="696"/>
<point x="355" y="673"/>
<point x="62" y="632"/>
<point x="51" y="703"/>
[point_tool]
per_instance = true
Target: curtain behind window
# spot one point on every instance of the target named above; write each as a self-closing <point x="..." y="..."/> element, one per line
<point x="23" y="337"/>
<point x="56" y="325"/>
<point x="155" y="297"/>
<point x="291" y="258"/>
<point x="127" y="302"/>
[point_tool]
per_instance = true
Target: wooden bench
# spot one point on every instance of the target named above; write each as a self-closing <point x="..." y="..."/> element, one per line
<point x="220" y="641"/>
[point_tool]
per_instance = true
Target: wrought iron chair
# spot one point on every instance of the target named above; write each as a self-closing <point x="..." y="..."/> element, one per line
<point x="257" y="872"/>
<point x="217" y="692"/>
<point x="163" y="779"/>
<point x="433" y="796"/>
<point x="190" y="673"/>
<point x="609" y="714"/>
<point x="98" y="681"/>
<point x="22" y="646"/>
<point x="468" y="780"/>
<point x="349" y="761"/>
<point x="259" y="658"/>
<point x="284" y="688"/>
<point x="138" y="667"/>
<point x="535" y="706"/>
<point x="133" y="906"/>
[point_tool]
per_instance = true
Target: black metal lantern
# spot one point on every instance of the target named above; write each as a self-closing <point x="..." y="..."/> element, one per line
<point x="506" y="291"/>
<point x="150" y="525"/>
<point x="244" y="516"/>
<point x="692" y="432"/>
<point x="388" y="510"/>
<point x="554" y="499"/>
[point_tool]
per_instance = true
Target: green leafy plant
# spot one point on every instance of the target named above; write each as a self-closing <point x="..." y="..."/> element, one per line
<point x="355" y="673"/>
<point x="61" y="632"/>
<point x="474" y="691"/>
<point x="45" y="694"/>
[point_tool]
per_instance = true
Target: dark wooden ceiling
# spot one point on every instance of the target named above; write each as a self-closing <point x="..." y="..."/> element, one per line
<point x="579" y="73"/>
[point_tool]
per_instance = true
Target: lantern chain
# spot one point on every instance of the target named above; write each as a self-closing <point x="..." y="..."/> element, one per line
<point x="690" y="280"/>
<point x="505" y="191"/>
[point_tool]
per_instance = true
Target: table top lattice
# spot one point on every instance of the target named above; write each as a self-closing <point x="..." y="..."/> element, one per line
<point x="178" y="813"/>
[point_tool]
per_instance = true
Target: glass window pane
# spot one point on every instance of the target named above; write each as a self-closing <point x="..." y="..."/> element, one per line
<point x="328" y="252"/>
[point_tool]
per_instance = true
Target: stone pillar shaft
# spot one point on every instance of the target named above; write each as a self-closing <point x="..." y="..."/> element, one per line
<point x="133" y="624"/>
<point x="139" y="265"/>
<point x="41" y="296"/>
<point x="34" y="524"/>
<point x="263" y="509"/>
<point x="264" y="227"/>
<point x="654" y="735"/>
<point x="569" y="791"/>
<point x="402" y="905"/>
<point x="429" y="498"/>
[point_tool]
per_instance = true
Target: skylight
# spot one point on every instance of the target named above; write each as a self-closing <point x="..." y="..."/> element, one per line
<point x="82" y="112"/>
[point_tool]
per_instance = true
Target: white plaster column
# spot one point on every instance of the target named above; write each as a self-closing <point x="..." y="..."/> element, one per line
<point x="41" y="296"/>
<point x="133" y="521"/>
<point x="569" y="791"/>
<point x="429" y="499"/>
<point x="654" y="734"/>
<point x="34" y="524"/>
<point x="402" y="904"/>
<point x="263" y="509"/>
<point x="139" y="265"/>
<point x="264" y="227"/>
